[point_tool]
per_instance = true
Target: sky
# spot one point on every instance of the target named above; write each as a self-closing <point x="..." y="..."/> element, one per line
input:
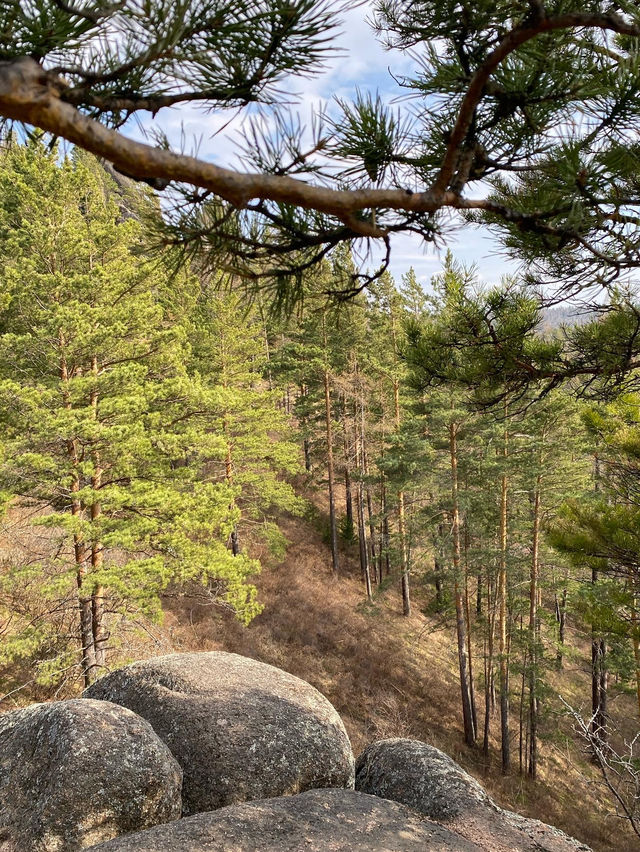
<point x="361" y="64"/>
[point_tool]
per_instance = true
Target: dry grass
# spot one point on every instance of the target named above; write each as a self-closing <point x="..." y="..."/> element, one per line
<point x="387" y="675"/>
<point x="392" y="676"/>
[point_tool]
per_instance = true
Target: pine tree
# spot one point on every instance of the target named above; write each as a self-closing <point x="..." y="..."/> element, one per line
<point x="106" y="433"/>
<point x="492" y="134"/>
<point x="228" y="356"/>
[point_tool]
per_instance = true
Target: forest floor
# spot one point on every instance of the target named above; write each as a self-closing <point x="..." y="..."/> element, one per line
<point x="391" y="676"/>
<point x="387" y="675"/>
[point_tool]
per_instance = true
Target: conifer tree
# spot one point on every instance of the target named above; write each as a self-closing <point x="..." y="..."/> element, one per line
<point x="229" y="357"/>
<point x="106" y="433"/>
<point x="493" y="133"/>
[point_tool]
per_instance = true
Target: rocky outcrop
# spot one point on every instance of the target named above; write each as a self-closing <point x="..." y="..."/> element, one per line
<point x="75" y="773"/>
<point x="428" y="781"/>
<point x="240" y="729"/>
<point x="316" y="821"/>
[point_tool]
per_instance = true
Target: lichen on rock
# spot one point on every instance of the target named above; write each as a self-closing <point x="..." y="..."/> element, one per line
<point x="430" y="782"/>
<point x="75" y="773"/>
<point x="315" y="821"/>
<point x="240" y="729"/>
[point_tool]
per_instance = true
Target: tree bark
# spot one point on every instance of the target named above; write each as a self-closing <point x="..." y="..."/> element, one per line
<point x="348" y="493"/>
<point x="599" y="675"/>
<point x="305" y="441"/>
<point x="502" y="609"/>
<point x="467" y="714"/>
<point x="97" y="550"/>
<point x="533" y="634"/>
<point x="333" y="528"/>
<point x="489" y="687"/>
<point x="362" y="528"/>
<point x="80" y="551"/>
<point x="561" y="610"/>
<point x="402" y="526"/>
<point x="635" y="638"/>
<point x="467" y="613"/>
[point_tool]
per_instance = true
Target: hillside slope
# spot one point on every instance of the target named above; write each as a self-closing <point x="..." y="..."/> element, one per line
<point x="393" y="676"/>
<point x="387" y="675"/>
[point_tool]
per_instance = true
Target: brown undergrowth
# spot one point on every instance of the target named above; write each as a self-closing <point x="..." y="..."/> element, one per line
<point x="393" y="676"/>
<point x="387" y="675"/>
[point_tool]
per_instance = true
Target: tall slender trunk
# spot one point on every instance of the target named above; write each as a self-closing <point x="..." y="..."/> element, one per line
<point x="333" y="527"/>
<point x="386" y="535"/>
<point x="635" y="637"/>
<point x="348" y="493"/>
<point x="97" y="550"/>
<point x="533" y="634"/>
<point x="402" y="524"/>
<point x="522" y="749"/>
<point x="439" y="562"/>
<point x="489" y="682"/>
<point x="467" y="715"/>
<point x="80" y="551"/>
<point x="306" y="446"/>
<point x="599" y="674"/>
<point x="369" y="501"/>
<point x="561" y="612"/>
<point x="373" y="554"/>
<point x="362" y="528"/>
<point x="383" y="554"/>
<point x="502" y="609"/>
<point x="362" y="542"/>
<point x="467" y="613"/>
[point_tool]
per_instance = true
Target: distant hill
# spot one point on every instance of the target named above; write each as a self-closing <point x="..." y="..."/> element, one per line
<point x="565" y="314"/>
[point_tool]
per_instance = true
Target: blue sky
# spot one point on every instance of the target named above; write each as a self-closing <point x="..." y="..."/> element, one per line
<point x="362" y="64"/>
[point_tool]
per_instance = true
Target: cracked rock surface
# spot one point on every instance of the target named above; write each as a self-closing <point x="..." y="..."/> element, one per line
<point x="74" y="773"/>
<point x="240" y="729"/>
<point x="430" y="782"/>
<point x="315" y="821"/>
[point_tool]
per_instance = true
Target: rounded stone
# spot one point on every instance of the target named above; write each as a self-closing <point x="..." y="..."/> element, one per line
<point x="315" y="821"/>
<point x="240" y="729"/>
<point x="75" y="773"/>
<point x="420" y="776"/>
<point x="430" y="782"/>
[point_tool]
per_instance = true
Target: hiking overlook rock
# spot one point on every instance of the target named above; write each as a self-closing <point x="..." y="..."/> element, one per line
<point x="251" y="756"/>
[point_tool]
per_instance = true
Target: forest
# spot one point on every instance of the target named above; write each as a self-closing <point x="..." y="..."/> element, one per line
<point x="225" y="425"/>
<point x="161" y="434"/>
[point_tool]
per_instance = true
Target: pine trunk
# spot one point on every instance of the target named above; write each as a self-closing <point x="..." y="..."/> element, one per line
<point x="502" y="609"/>
<point x="635" y="637"/>
<point x="306" y="446"/>
<point x="333" y="527"/>
<point x="533" y="635"/>
<point x="402" y="525"/>
<point x="467" y="714"/>
<point x="562" y="621"/>
<point x="599" y="678"/>
<point x="97" y="554"/>
<point x="362" y="529"/>
<point x="489" y="694"/>
<point x="80" y="551"/>
<point x="467" y="613"/>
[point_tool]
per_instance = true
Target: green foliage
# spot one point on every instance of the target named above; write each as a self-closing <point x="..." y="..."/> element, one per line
<point x="347" y="530"/>
<point x="121" y="394"/>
